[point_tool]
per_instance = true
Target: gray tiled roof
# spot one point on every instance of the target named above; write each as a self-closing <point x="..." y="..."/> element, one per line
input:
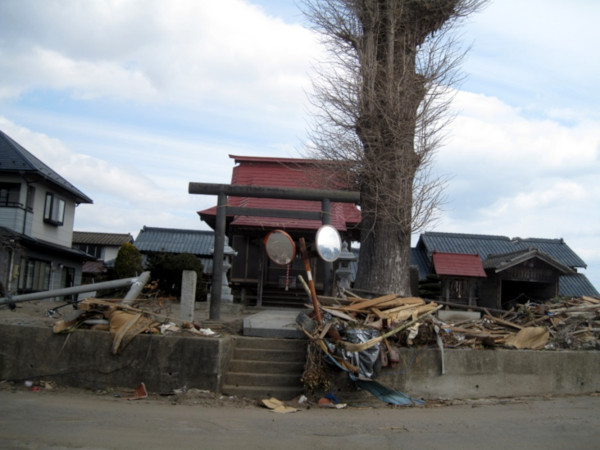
<point x="576" y="285"/>
<point x="15" y="158"/>
<point x="485" y="245"/>
<point x="501" y="262"/>
<point x="171" y="240"/>
<point x="93" y="238"/>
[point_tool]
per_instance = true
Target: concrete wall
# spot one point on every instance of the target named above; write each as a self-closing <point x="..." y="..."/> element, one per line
<point x="493" y="373"/>
<point x="84" y="359"/>
<point x="163" y="363"/>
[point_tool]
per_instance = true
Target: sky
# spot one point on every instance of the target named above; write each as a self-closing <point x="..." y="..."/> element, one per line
<point x="130" y="100"/>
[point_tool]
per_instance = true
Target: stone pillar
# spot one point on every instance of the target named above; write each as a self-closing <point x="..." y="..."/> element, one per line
<point x="225" y="290"/>
<point x="188" y="295"/>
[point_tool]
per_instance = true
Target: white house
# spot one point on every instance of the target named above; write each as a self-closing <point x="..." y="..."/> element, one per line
<point x="37" y="212"/>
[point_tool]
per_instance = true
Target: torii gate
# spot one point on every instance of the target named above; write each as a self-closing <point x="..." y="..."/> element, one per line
<point x="223" y="190"/>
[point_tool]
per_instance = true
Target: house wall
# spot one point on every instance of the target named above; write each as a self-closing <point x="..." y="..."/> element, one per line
<point x="109" y="253"/>
<point x="61" y="234"/>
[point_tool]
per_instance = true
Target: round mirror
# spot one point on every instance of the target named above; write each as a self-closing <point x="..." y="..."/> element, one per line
<point x="329" y="243"/>
<point x="280" y="247"/>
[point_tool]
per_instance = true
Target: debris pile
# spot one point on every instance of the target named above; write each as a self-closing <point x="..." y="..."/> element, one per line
<point x="401" y="322"/>
<point x="361" y="335"/>
<point x="123" y="321"/>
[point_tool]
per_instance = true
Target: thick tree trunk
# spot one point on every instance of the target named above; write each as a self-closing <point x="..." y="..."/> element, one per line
<point x="384" y="259"/>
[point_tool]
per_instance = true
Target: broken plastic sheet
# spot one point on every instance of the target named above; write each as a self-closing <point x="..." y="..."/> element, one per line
<point x="366" y="360"/>
<point x="380" y="391"/>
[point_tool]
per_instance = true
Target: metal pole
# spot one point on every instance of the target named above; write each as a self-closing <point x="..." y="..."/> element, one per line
<point x="136" y="288"/>
<point x="218" y="255"/>
<point x="75" y="289"/>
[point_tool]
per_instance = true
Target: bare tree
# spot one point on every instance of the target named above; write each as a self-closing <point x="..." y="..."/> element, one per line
<point x="383" y="102"/>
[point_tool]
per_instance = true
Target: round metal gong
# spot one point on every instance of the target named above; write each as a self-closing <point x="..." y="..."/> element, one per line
<point x="280" y="247"/>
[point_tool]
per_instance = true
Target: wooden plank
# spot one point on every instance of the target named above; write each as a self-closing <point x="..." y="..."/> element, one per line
<point x="339" y="314"/>
<point x="503" y="322"/>
<point x="369" y="303"/>
<point x="378" y="313"/>
<point x="401" y="301"/>
<point x="400" y="308"/>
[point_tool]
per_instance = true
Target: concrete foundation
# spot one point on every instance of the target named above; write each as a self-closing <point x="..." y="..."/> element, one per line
<point x="83" y="359"/>
<point x="493" y="373"/>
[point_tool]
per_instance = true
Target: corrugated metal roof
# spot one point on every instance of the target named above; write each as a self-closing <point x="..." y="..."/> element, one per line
<point x="486" y="245"/>
<point x="576" y="285"/>
<point x="96" y="238"/>
<point x="285" y="173"/>
<point x="171" y="240"/>
<point x="457" y="264"/>
<point x="15" y="158"/>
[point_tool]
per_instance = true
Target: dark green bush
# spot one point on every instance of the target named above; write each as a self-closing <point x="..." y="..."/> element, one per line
<point x="167" y="270"/>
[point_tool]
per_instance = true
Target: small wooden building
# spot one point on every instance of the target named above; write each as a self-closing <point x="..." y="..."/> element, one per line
<point x="460" y="276"/>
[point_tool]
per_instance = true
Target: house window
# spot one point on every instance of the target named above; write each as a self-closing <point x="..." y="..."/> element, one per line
<point x="34" y="275"/>
<point x="90" y="249"/>
<point x="54" y="210"/>
<point x="30" y="197"/>
<point x="9" y="194"/>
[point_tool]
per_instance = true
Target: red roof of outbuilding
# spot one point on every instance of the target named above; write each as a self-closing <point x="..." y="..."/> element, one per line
<point x="286" y="173"/>
<point x="458" y="265"/>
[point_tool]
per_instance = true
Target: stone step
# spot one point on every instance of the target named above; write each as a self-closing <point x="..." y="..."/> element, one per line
<point x="262" y="379"/>
<point x="268" y="367"/>
<point x="270" y="343"/>
<point x="263" y="368"/>
<point x="251" y="354"/>
<point x="258" y="392"/>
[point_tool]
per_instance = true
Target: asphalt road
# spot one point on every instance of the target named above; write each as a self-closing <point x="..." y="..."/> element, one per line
<point x="66" y="420"/>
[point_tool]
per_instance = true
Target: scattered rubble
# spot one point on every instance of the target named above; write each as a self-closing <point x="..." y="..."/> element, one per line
<point x="124" y="322"/>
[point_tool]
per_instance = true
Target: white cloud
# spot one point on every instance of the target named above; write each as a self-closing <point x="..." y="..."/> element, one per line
<point x="152" y="51"/>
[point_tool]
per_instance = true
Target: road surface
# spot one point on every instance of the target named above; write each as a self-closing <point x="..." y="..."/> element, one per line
<point x="84" y="420"/>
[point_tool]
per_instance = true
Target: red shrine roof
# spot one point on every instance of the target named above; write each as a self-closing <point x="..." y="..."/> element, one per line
<point x="285" y="173"/>
<point x="458" y="265"/>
